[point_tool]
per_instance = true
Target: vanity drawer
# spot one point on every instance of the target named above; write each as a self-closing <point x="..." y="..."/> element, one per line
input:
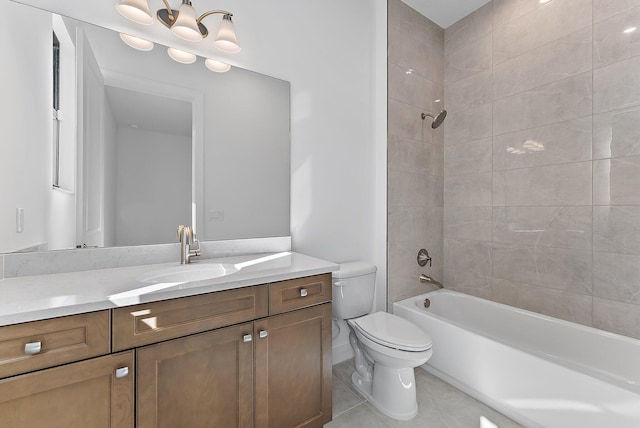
<point x="40" y="344"/>
<point x="158" y="321"/>
<point x="299" y="293"/>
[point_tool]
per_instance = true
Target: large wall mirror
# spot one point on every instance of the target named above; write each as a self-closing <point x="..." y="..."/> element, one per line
<point x="120" y="146"/>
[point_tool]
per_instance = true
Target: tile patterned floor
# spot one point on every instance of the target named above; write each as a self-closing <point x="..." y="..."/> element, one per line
<point x="440" y="405"/>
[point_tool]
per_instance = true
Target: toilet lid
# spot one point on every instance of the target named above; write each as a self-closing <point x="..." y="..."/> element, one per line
<point x="392" y="331"/>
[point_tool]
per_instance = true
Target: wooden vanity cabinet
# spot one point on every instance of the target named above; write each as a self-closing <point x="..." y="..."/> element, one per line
<point x="95" y="393"/>
<point x="273" y="371"/>
<point x="293" y="368"/>
<point x="258" y="356"/>
<point x="204" y="380"/>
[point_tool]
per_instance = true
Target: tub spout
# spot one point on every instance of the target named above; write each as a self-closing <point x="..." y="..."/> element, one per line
<point x="424" y="278"/>
<point x="363" y="367"/>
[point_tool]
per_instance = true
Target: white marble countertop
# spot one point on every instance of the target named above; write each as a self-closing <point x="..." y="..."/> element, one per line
<point x="39" y="297"/>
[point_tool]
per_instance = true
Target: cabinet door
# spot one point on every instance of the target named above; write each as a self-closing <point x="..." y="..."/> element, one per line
<point x="205" y="380"/>
<point x="293" y="368"/>
<point x="88" y="394"/>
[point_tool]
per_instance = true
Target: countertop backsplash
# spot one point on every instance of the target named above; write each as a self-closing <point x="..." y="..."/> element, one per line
<point x="52" y="262"/>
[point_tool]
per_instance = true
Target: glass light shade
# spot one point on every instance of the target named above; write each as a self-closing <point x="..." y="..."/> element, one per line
<point x="217" y="66"/>
<point x="226" y="39"/>
<point x="136" y="10"/>
<point x="186" y="26"/>
<point x="181" y="56"/>
<point x="136" y="42"/>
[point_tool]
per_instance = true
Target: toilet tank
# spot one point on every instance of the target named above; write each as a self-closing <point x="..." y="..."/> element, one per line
<point x="353" y="289"/>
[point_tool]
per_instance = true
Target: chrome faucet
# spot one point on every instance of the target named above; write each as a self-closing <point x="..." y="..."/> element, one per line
<point x="187" y="241"/>
<point x="424" y="278"/>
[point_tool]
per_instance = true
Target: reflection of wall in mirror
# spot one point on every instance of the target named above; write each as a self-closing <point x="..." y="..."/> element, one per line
<point x="244" y="159"/>
<point x="25" y="169"/>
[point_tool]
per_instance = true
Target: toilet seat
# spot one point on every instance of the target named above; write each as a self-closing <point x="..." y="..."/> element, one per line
<point x="393" y="332"/>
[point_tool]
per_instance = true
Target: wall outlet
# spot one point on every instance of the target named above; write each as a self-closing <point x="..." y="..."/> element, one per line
<point x="216" y="215"/>
<point x="19" y="220"/>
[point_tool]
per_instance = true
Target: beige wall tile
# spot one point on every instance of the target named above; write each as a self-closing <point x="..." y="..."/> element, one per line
<point x="472" y="91"/>
<point x="603" y="9"/>
<point x="611" y="43"/>
<point x="505" y="11"/>
<point x="468" y="125"/>
<point x="558" y="268"/>
<point x="471" y="27"/>
<point x="616" y="86"/>
<point x="621" y="318"/>
<point x="470" y="58"/>
<point x="616" y="229"/>
<point x="616" y="277"/>
<point x="616" y="133"/>
<point x="471" y="158"/>
<point x="555" y="303"/>
<point x="559" y="226"/>
<point x="556" y="102"/>
<point x="616" y="181"/>
<point x="557" y="60"/>
<point x="411" y="156"/>
<point x="469" y="190"/>
<point x="468" y="223"/>
<point x="558" y="143"/>
<point x="547" y="24"/>
<point x="568" y="184"/>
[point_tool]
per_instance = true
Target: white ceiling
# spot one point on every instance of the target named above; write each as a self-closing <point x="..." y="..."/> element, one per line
<point x="445" y="12"/>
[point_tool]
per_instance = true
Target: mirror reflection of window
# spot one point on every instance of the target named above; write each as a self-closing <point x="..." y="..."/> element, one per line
<point x="63" y="104"/>
<point x="56" y="108"/>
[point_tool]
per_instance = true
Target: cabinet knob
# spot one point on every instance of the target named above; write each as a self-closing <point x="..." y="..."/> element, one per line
<point x="122" y="372"/>
<point x="247" y="338"/>
<point x="263" y="334"/>
<point x="32" y="348"/>
<point x="303" y="292"/>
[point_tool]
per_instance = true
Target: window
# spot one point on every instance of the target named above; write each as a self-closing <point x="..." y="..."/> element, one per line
<point x="56" y="110"/>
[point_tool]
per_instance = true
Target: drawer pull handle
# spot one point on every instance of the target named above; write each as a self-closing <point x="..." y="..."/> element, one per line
<point x="122" y="372"/>
<point x="303" y="292"/>
<point x="247" y="338"/>
<point x="33" y="348"/>
<point x="263" y="334"/>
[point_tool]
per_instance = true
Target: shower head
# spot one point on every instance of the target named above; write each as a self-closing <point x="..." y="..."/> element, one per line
<point x="437" y="119"/>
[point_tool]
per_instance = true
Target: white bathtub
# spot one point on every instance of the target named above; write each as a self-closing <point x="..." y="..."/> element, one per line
<point x="538" y="370"/>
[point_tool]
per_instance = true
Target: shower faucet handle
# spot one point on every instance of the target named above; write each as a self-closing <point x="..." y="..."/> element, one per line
<point x="424" y="258"/>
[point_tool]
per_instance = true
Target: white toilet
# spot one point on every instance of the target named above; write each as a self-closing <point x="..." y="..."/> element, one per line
<point x="387" y="348"/>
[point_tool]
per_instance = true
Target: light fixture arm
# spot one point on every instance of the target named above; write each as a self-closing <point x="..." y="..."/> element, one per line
<point x="212" y="12"/>
<point x="169" y="11"/>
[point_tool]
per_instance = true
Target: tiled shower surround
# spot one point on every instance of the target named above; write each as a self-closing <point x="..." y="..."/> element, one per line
<point x="542" y="159"/>
<point x="415" y="151"/>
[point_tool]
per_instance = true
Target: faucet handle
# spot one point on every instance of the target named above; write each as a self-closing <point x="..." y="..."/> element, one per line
<point x="179" y="231"/>
<point x="195" y="243"/>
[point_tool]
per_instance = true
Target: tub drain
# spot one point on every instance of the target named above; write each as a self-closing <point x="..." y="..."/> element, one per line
<point x="427" y="303"/>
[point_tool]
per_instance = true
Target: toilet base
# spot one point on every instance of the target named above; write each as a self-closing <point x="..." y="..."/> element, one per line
<point x="394" y="394"/>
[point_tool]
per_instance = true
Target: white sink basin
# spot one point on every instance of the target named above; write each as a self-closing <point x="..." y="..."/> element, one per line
<point x="188" y="273"/>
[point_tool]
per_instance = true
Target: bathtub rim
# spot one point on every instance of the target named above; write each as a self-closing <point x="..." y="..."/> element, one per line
<point x="605" y="376"/>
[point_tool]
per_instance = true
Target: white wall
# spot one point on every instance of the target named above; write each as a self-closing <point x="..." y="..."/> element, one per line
<point x="110" y="131"/>
<point x="334" y="55"/>
<point x="25" y="169"/>
<point x="154" y="194"/>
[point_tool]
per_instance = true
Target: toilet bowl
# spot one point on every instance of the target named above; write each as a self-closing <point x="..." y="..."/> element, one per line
<point x="386" y="348"/>
<point x="393" y="348"/>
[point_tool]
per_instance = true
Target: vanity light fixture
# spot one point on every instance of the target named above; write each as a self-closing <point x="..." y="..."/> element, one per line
<point x="181" y="56"/>
<point x="217" y="66"/>
<point x="136" y="10"/>
<point x="630" y="30"/>
<point x="183" y="22"/>
<point x="136" y="42"/>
